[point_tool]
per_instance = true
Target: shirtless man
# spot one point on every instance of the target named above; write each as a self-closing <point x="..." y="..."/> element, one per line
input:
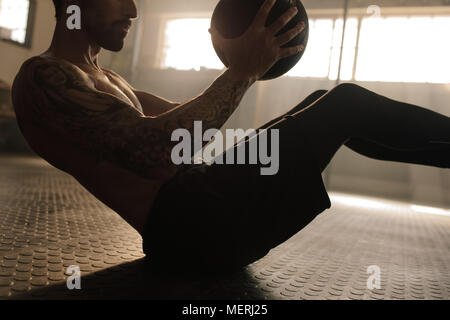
<point x="116" y="140"/>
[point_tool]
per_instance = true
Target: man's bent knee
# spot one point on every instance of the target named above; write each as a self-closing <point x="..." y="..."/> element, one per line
<point x="346" y="89"/>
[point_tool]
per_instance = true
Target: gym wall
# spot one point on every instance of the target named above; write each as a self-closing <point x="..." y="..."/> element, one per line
<point x="12" y="55"/>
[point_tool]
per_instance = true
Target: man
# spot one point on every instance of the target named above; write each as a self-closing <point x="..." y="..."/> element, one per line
<point x="116" y="141"/>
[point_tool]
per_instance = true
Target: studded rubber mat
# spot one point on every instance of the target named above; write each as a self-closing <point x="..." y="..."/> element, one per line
<point x="48" y="223"/>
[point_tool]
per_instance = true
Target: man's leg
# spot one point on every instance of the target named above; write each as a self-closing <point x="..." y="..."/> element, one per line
<point x="374" y="126"/>
<point x="302" y="105"/>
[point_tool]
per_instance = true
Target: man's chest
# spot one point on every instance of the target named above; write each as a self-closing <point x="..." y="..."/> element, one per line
<point x="117" y="87"/>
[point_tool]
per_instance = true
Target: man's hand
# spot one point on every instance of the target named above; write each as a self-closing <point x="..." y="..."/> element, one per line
<point x="251" y="55"/>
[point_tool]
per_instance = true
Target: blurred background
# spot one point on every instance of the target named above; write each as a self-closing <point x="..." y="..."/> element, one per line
<point x="397" y="48"/>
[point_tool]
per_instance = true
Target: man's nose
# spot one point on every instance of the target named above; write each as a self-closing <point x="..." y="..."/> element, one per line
<point x="130" y="9"/>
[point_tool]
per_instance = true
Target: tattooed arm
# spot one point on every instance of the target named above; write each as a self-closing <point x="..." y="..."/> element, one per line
<point x="66" y="103"/>
<point x="229" y="82"/>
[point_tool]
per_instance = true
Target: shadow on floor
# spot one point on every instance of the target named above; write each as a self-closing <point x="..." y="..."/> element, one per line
<point x="138" y="280"/>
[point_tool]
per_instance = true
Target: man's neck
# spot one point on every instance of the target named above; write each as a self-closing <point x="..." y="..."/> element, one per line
<point x="73" y="46"/>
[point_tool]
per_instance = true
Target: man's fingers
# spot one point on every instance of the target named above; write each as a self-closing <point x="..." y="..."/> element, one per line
<point x="263" y="13"/>
<point x="282" y="21"/>
<point x="291" y="34"/>
<point x="287" y="52"/>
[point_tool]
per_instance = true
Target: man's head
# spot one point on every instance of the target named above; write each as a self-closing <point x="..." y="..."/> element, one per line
<point x="58" y="4"/>
<point x="105" y="22"/>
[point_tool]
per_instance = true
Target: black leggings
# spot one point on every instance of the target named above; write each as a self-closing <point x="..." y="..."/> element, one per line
<point x="372" y="125"/>
<point x="227" y="216"/>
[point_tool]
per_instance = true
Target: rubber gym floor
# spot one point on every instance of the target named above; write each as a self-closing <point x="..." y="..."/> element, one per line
<point x="48" y="222"/>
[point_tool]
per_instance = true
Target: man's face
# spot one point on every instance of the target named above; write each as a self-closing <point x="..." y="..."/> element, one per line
<point x="107" y="22"/>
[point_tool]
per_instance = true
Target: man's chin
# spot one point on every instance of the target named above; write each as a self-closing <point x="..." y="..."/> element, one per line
<point x="115" y="47"/>
<point x="112" y="41"/>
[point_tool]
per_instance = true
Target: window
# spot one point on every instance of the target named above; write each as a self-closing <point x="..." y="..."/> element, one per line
<point x="390" y="49"/>
<point x="188" y="45"/>
<point x="321" y="57"/>
<point x="404" y="49"/>
<point x="15" y="21"/>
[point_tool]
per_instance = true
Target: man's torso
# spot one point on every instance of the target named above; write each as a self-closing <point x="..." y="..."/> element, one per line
<point x="125" y="192"/>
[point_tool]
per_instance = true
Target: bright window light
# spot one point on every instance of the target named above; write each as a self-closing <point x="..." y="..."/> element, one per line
<point x="360" y="201"/>
<point x="349" y="51"/>
<point x="366" y="202"/>
<point x="402" y="49"/>
<point x="393" y="49"/>
<point x="14" y="19"/>
<point x="188" y="45"/>
<point x="316" y="59"/>
<point x="430" y="210"/>
<point x="321" y="58"/>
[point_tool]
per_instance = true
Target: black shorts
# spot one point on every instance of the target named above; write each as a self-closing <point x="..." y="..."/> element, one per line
<point x="228" y="216"/>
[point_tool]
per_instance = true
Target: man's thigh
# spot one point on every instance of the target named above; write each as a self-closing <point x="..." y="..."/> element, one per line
<point x="232" y="211"/>
<point x="301" y="106"/>
<point x="274" y="207"/>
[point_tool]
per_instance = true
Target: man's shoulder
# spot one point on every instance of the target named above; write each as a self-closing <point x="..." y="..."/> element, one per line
<point x="24" y="84"/>
<point x="26" y="72"/>
<point x="38" y="76"/>
<point x="33" y="64"/>
<point x="47" y="70"/>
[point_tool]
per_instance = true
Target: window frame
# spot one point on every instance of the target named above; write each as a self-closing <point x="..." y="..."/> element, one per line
<point x="163" y="21"/>
<point x="334" y="14"/>
<point x="29" y="30"/>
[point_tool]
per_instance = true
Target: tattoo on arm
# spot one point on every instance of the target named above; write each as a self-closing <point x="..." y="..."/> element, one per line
<point x="66" y="103"/>
<point x="214" y="107"/>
